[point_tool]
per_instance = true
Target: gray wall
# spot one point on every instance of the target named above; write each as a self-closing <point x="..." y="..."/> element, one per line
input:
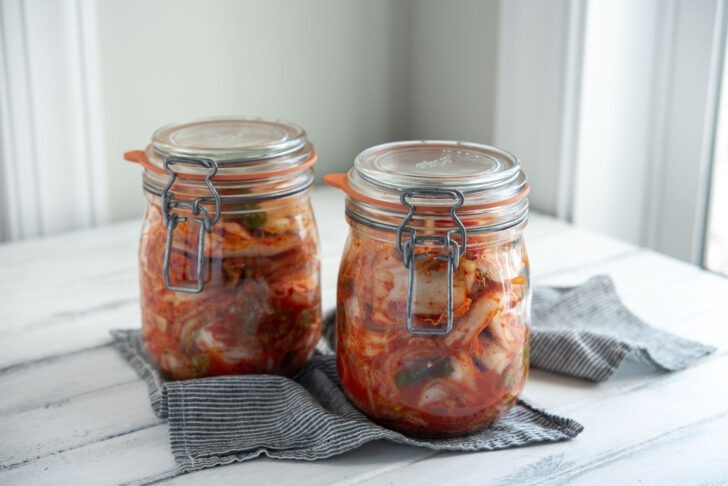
<point x="353" y="73"/>
<point x="453" y="70"/>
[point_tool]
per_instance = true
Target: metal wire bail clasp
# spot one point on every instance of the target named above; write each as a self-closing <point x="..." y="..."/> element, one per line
<point x="453" y="250"/>
<point x="201" y="216"/>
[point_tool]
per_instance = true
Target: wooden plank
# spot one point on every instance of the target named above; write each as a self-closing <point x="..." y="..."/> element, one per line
<point x="572" y="249"/>
<point x="541" y="226"/>
<point x="706" y="327"/>
<point x="82" y="430"/>
<point x="109" y="461"/>
<point x="401" y="473"/>
<point x="52" y="381"/>
<point x="75" y="422"/>
<point x="123" y="459"/>
<point x="73" y="244"/>
<point x="68" y="289"/>
<point x="548" y="390"/>
<point x="370" y="460"/>
<point x="47" y="335"/>
<point x="69" y="336"/>
<point x="615" y="425"/>
<point x="551" y="390"/>
<point x="92" y="326"/>
<point x="58" y="304"/>
<point x="110" y="298"/>
<point x="679" y="299"/>
<point x="666" y="293"/>
<point x="88" y="460"/>
<point x="643" y="270"/>
<point x="697" y="454"/>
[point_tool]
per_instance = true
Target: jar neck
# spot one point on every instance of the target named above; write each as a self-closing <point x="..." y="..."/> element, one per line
<point x="295" y="203"/>
<point x="231" y="190"/>
<point x="225" y="196"/>
<point x="439" y="221"/>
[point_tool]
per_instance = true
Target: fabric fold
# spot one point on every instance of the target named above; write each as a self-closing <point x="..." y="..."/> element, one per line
<point x="584" y="332"/>
<point x="587" y="332"/>
<point x="215" y="421"/>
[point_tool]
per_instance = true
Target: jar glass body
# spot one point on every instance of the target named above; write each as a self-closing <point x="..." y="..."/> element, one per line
<point x="259" y="310"/>
<point x="434" y="385"/>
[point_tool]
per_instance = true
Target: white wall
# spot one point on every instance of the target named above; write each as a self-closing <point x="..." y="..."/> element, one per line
<point x="330" y="65"/>
<point x="530" y="92"/>
<point x="617" y="117"/>
<point x="716" y="250"/>
<point x="454" y="49"/>
<point x="48" y="179"/>
<point x="647" y="121"/>
<point x="611" y="107"/>
<point x="353" y="73"/>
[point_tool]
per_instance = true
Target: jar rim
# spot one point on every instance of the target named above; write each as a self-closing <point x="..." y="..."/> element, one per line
<point x="343" y="182"/>
<point x="427" y="172"/>
<point x="435" y="179"/>
<point x="241" y="148"/>
<point x="468" y="167"/>
<point x="229" y="140"/>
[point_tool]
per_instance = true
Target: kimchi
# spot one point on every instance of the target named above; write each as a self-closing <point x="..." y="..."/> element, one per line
<point x="433" y="298"/>
<point x="228" y="260"/>
<point x="259" y="311"/>
<point x="433" y="384"/>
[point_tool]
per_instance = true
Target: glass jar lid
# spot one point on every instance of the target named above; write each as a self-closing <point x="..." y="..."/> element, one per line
<point x="241" y="147"/>
<point x="486" y="176"/>
<point x="431" y="195"/>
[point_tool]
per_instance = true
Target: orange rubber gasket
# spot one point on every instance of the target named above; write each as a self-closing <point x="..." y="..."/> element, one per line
<point x="341" y="181"/>
<point x="140" y="157"/>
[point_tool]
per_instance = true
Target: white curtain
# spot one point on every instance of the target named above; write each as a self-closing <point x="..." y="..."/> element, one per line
<point x="609" y="104"/>
<point x="52" y="171"/>
<point x="612" y="107"/>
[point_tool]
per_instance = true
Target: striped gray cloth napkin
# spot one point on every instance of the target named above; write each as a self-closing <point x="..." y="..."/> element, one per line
<point x="583" y="331"/>
<point x="217" y="421"/>
<point x="587" y="332"/>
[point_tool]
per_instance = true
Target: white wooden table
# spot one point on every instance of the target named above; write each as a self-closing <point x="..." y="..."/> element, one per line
<point x="72" y="412"/>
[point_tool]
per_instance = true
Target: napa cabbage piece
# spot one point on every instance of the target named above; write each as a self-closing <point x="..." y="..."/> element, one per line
<point x="435" y="384"/>
<point x="259" y="311"/>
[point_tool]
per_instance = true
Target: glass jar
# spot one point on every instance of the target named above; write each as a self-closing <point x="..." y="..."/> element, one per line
<point x="229" y="265"/>
<point x="433" y="297"/>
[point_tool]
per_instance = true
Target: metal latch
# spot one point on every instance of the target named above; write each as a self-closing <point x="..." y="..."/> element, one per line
<point x="452" y="256"/>
<point x="201" y="216"/>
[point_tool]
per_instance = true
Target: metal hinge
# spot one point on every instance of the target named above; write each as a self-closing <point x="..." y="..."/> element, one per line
<point x="452" y="256"/>
<point x="201" y="216"/>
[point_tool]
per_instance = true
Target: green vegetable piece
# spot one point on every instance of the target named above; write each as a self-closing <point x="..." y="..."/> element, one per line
<point x="304" y="319"/>
<point x="200" y="362"/>
<point x="256" y="220"/>
<point x="423" y="371"/>
<point x="404" y="378"/>
<point x="239" y="207"/>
